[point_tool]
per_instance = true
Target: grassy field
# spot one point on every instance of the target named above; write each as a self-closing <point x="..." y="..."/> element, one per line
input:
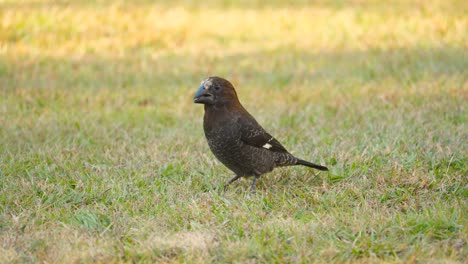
<point x="103" y="157"/>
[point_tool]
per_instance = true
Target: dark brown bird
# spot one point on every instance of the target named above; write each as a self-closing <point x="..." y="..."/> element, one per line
<point x="235" y="137"/>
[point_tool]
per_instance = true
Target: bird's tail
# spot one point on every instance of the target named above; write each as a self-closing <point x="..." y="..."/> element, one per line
<point x="312" y="165"/>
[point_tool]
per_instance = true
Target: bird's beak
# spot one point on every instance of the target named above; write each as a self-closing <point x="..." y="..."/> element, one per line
<point x="202" y="96"/>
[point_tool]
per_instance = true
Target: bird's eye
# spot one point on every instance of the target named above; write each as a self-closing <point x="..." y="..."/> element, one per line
<point x="216" y="88"/>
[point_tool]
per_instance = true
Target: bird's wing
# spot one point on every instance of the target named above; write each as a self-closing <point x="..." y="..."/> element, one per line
<point x="254" y="135"/>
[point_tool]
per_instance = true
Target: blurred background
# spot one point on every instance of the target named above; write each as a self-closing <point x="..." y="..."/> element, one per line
<point x="137" y="63"/>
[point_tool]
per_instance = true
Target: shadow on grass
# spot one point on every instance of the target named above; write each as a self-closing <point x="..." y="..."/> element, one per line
<point x="272" y="69"/>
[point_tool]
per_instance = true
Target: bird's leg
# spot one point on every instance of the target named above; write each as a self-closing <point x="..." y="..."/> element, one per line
<point x="231" y="181"/>
<point x="252" y="186"/>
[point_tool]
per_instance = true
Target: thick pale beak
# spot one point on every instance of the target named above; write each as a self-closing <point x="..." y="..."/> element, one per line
<point x="202" y="96"/>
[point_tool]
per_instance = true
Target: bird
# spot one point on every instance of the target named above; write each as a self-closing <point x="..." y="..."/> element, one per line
<point x="235" y="137"/>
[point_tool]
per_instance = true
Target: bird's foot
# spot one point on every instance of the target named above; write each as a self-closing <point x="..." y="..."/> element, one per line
<point x="231" y="181"/>
<point x="252" y="186"/>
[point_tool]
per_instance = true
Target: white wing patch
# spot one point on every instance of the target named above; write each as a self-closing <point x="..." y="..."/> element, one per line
<point x="267" y="146"/>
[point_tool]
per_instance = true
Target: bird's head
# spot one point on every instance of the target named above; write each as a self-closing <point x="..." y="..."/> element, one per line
<point x="215" y="91"/>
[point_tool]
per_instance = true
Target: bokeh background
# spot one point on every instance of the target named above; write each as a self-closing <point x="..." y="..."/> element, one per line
<point x="103" y="157"/>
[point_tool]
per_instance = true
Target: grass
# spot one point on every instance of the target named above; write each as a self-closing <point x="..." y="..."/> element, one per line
<point x="103" y="158"/>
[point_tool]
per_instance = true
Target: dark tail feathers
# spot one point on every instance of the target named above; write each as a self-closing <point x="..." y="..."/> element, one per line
<point x="312" y="165"/>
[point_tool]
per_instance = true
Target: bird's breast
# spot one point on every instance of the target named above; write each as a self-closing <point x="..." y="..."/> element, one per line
<point x="223" y="136"/>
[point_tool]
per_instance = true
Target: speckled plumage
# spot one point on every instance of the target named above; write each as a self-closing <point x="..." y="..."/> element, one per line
<point x="235" y="137"/>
